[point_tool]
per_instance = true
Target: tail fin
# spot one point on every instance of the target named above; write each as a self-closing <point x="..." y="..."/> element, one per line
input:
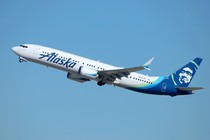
<point x="184" y="76"/>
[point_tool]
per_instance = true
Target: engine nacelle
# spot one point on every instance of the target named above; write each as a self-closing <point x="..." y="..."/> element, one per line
<point x="88" y="72"/>
<point x="76" y="77"/>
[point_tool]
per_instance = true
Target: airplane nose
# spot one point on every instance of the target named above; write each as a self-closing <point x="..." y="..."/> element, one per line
<point x="15" y="50"/>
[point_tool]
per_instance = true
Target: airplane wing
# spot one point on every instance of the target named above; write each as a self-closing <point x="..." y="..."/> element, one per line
<point x="124" y="72"/>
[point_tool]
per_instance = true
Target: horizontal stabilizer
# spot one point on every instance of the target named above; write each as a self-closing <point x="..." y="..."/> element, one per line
<point x="189" y="88"/>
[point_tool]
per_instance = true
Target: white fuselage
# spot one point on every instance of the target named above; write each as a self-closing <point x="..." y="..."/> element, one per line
<point x="71" y="63"/>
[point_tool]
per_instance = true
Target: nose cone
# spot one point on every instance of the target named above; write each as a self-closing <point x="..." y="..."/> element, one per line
<point x="15" y="50"/>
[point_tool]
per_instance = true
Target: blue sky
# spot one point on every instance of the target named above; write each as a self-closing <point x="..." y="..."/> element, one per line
<point x="41" y="103"/>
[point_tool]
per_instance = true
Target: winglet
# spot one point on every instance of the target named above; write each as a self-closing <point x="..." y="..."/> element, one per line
<point x="146" y="65"/>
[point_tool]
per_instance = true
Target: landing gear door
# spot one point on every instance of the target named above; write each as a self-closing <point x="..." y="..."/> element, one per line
<point x="164" y="86"/>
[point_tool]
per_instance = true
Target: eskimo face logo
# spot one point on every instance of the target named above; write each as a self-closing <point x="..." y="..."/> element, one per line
<point x="186" y="75"/>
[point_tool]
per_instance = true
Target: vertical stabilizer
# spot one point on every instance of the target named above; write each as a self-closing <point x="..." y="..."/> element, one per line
<point x="184" y="76"/>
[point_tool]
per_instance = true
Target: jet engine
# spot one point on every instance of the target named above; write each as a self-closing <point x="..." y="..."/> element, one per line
<point x="88" y="72"/>
<point x="76" y="77"/>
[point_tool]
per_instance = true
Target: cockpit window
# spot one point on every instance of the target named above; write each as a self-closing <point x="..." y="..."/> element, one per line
<point x="24" y="46"/>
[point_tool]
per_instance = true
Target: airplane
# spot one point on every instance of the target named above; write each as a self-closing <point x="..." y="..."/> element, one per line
<point x="82" y="69"/>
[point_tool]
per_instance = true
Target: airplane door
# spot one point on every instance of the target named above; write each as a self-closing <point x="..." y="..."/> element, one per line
<point x="164" y="86"/>
<point x="36" y="51"/>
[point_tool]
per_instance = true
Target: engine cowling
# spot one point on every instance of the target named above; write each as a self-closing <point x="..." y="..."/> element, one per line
<point x="88" y="72"/>
<point x="76" y="77"/>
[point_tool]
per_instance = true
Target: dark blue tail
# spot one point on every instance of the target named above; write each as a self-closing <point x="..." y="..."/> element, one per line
<point x="184" y="76"/>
